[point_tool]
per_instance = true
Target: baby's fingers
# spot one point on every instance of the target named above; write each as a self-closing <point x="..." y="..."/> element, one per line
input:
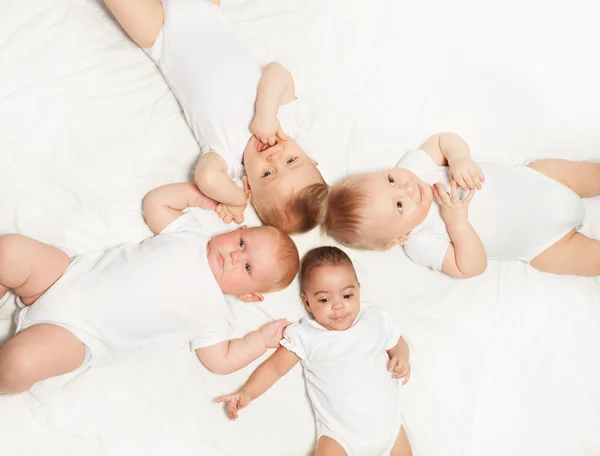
<point x="444" y="198"/>
<point x="281" y="135"/>
<point x="474" y="173"/>
<point x="468" y="180"/>
<point x="470" y="196"/>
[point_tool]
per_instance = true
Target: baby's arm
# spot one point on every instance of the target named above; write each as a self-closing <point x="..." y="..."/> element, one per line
<point x="212" y="179"/>
<point x="451" y="150"/>
<point x="165" y="204"/>
<point x="275" y="88"/>
<point x="263" y="378"/>
<point x="231" y="355"/>
<point x="466" y="256"/>
<point x="398" y="363"/>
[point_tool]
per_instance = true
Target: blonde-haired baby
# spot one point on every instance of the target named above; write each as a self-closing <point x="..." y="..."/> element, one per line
<point x="352" y="355"/>
<point x="452" y="214"/>
<point x="141" y="300"/>
<point x="244" y="117"/>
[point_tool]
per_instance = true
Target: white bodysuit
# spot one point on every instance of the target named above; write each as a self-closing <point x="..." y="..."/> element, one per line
<point x="139" y="300"/>
<point x="354" y="397"/>
<point x="215" y="79"/>
<point x="517" y="214"/>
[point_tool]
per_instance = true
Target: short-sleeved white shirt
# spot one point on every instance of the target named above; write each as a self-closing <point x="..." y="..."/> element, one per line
<point x="140" y="300"/>
<point x="215" y="78"/>
<point x="517" y="214"/>
<point x="353" y="394"/>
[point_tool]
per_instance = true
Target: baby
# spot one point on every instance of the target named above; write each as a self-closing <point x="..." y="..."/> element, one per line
<point x="141" y="300"/>
<point x="529" y="213"/>
<point x="237" y="116"/>
<point x="344" y="348"/>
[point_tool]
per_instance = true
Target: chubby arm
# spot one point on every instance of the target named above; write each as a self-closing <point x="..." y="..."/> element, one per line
<point x="466" y="256"/>
<point x="164" y="204"/>
<point x="212" y="179"/>
<point x="449" y="149"/>
<point x="231" y="355"/>
<point x="263" y="378"/>
<point x="275" y="88"/>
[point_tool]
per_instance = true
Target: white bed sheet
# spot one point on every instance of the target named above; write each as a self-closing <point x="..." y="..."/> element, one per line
<point x="507" y="363"/>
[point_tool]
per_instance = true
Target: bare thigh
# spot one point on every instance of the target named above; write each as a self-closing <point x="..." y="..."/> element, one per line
<point x="580" y="176"/>
<point x="141" y="19"/>
<point x="29" y="267"/>
<point x="326" y="446"/>
<point x="37" y="353"/>
<point x="402" y="445"/>
<point x="575" y="254"/>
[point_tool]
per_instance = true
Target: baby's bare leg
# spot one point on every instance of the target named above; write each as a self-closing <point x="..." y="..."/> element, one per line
<point x="37" y="353"/>
<point x="29" y="267"/>
<point x="580" y="176"/>
<point x="402" y="445"/>
<point x="573" y="254"/>
<point x="141" y="19"/>
<point x="327" y="446"/>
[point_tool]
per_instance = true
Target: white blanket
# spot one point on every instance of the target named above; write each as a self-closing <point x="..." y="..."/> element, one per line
<point x="507" y="363"/>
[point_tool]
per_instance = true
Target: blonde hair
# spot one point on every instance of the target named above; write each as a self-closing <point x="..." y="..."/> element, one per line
<point x="297" y="213"/>
<point x="347" y="212"/>
<point x="287" y="261"/>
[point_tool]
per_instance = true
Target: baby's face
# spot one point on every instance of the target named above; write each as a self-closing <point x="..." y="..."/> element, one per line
<point x="242" y="260"/>
<point x="401" y="203"/>
<point x="278" y="171"/>
<point x="332" y="295"/>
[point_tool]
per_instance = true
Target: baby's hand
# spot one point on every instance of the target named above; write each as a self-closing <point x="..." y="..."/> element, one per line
<point x="453" y="210"/>
<point x="466" y="173"/>
<point x="230" y="213"/>
<point x="272" y="333"/>
<point x="234" y="402"/>
<point x="400" y="368"/>
<point x="267" y="130"/>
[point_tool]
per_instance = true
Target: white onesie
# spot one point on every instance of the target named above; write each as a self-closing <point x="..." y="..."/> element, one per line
<point x="215" y="79"/>
<point x="139" y="300"/>
<point x="517" y="214"/>
<point x="354" y="397"/>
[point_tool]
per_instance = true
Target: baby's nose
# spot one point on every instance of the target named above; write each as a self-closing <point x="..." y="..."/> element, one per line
<point x="234" y="257"/>
<point x="410" y="191"/>
<point x="275" y="154"/>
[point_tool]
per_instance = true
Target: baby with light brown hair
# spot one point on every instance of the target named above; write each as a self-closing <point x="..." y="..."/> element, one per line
<point x="428" y="204"/>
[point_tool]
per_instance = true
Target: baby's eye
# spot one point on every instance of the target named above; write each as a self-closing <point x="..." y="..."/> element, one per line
<point x="348" y="296"/>
<point x="399" y="206"/>
<point x="242" y="244"/>
<point x="291" y="160"/>
<point x="247" y="267"/>
<point x="391" y="180"/>
<point x="267" y="173"/>
<point x="323" y="300"/>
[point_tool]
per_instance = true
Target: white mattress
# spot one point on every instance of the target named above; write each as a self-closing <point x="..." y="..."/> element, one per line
<point x="507" y="363"/>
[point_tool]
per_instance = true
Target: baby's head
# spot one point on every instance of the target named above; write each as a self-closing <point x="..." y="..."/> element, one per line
<point x="250" y="261"/>
<point x="330" y="288"/>
<point x="376" y="211"/>
<point x="284" y="186"/>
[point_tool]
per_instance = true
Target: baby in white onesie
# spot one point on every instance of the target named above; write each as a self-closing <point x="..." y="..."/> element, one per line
<point x="141" y="300"/>
<point x="452" y="214"/>
<point x="244" y="121"/>
<point x="345" y="348"/>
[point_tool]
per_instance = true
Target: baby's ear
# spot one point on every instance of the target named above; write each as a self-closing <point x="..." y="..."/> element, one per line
<point x="396" y="241"/>
<point x="247" y="189"/>
<point x="305" y="301"/>
<point x="251" y="297"/>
